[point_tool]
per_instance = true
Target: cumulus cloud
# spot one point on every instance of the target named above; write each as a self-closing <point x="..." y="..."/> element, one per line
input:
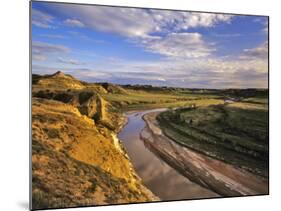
<point x="141" y="26"/>
<point x="188" y="58"/>
<point x="41" y="50"/>
<point x="180" y="45"/>
<point x="193" y="73"/>
<point x="74" y="23"/>
<point x="199" y="72"/>
<point x="122" y="21"/>
<point x="41" y="19"/>
<point x="186" y="20"/>
<point x="131" y="22"/>
<point x="158" y="31"/>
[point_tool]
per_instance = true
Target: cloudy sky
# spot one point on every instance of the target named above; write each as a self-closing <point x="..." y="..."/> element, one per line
<point x="144" y="46"/>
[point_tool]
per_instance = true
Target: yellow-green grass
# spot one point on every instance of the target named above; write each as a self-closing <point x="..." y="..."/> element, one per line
<point x="145" y="100"/>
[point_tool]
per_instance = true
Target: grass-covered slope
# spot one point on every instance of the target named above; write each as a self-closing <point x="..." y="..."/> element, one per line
<point x="236" y="133"/>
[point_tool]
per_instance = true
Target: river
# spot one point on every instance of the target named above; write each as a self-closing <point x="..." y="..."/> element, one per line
<point x="159" y="177"/>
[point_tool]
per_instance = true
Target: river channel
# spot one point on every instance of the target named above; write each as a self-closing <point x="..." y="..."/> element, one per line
<point x="159" y="177"/>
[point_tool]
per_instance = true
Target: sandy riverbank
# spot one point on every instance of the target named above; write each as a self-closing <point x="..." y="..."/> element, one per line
<point x="222" y="178"/>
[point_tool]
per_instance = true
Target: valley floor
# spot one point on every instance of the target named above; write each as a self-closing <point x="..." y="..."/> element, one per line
<point x="222" y="178"/>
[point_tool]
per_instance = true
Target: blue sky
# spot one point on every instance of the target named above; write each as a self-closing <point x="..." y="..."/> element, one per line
<point x="144" y="46"/>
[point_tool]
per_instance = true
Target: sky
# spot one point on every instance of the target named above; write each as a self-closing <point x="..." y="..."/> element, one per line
<point x="148" y="46"/>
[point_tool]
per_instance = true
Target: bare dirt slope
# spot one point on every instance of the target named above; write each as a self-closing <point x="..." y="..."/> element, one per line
<point x="76" y="158"/>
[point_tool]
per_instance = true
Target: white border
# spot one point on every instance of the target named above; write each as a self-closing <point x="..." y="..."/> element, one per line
<point x="15" y="103"/>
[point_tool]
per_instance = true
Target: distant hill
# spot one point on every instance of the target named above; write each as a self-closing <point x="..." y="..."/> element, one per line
<point x="112" y="88"/>
<point x="58" y="80"/>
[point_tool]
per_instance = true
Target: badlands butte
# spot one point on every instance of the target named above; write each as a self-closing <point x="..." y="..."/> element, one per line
<point x="77" y="159"/>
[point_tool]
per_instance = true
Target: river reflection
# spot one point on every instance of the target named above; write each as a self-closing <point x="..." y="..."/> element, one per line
<point x="159" y="177"/>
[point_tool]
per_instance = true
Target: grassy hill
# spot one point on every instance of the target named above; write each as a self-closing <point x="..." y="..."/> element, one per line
<point x="58" y="80"/>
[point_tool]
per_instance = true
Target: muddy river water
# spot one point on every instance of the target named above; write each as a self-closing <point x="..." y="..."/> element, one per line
<point x="159" y="177"/>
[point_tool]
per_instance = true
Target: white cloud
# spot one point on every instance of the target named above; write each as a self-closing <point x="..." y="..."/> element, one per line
<point x="161" y="79"/>
<point x="211" y="72"/>
<point x="141" y="26"/>
<point x="41" y="50"/>
<point x="41" y="19"/>
<point x="130" y="22"/>
<point x="227" y="35"/>
<point x="121" y="21"/>
<point x="193" y="73"/>
<point x="189" y="60"/>
<point x="38" y="57"/>
<point x="180" y="45"/>
<point x="178" y="21"/>
<point x="74" y="23"/>
<point x="42" y="47"/>
<point x="54" y="36"/>
<point x="263" y="20"/>
<point x="69" y="61"/>
<point x="85" y="37"/>
<point x="260" y="52"/>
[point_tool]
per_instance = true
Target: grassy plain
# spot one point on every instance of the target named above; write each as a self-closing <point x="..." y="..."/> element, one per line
<point x="140" y="99"/>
